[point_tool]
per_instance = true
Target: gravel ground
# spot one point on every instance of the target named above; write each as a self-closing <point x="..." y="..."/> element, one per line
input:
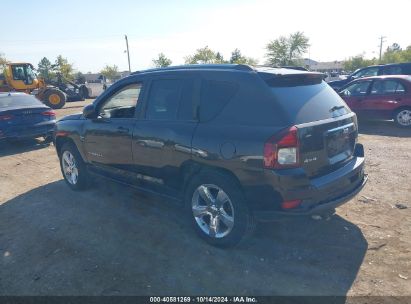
<point x="112" y="240"/>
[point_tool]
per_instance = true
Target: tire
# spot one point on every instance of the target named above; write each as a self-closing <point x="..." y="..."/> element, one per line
<point x="55" y="99"/>
<point x="68" y="153"/>
<point x="234" y="221"/>
<point x="402" y="118"/>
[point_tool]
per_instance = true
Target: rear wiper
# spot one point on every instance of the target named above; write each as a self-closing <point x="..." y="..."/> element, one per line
<point x="335" y="108"/>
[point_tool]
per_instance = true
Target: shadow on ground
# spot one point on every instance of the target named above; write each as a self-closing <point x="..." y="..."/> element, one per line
<point x="111" y="240"/>
<point x="16" y="147"/>
<point x="383" y="128"/>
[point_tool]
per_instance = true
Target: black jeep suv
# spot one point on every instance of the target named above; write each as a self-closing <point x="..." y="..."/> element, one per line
<point x="232" y="143"/>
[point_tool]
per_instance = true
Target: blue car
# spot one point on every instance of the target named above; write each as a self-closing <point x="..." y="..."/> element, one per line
<point x="23" y="116"/>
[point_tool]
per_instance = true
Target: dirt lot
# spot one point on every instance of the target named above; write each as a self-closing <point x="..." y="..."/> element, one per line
<point x="111" y="240"/>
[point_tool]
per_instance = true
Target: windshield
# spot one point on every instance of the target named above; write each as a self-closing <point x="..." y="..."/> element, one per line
<point x="18" y="101"/>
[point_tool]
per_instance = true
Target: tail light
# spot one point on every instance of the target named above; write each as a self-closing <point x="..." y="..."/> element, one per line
<point x="282" y="150"/>
<point x="6" y="117"/>
<point x="291" y="204"/>
<point x="49" y="113"/>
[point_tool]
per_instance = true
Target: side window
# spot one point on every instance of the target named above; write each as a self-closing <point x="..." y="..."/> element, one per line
<point x="164" y="99"/>
<point x="373" y="71"/>
<point x="171" y="99"/>
<point x="185" y="108"/>
<point x="357" y="89"/>
<point x="122" y="104"/>
<point x="387" y="87"/>
<point x="393" y="70"/>
<point x="392" y="87"/>
<point x="214" y="96"/>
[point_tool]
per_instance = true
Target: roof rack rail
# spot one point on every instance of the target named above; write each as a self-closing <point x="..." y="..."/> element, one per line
<point x="238" y="67"/>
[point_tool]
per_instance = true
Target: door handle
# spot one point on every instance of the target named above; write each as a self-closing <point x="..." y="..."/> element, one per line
<point x="123" y="130"/>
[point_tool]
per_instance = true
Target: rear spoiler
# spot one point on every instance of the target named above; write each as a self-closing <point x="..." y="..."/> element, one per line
<point x="291" y="79"/>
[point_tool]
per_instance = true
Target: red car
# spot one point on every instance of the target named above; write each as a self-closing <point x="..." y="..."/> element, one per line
<point x="380" y="97"/>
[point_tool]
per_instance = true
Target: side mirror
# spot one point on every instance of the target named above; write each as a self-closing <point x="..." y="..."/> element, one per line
<point x="89" y="111"/>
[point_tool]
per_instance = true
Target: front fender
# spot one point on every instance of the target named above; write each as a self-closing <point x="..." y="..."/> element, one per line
<point x="70" y="131"/>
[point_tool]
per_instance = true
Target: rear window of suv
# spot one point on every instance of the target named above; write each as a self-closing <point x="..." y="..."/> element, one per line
<point x="214" y="97"/>
<point x="307" y="100"/>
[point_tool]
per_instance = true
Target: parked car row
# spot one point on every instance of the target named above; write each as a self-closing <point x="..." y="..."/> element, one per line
<point x="376" y="70"/>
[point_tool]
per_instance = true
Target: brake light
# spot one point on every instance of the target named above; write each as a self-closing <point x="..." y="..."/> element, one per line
<point x="290" y="204"/>
<point x="6" y="117"/>
<point x="49" y="113"/>
<point x="282" y="150"/>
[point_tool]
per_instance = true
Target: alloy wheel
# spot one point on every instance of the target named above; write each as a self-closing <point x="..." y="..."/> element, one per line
<point x="70" y="169"/>
<point x="404" y="118"/>
<point x="213" y="210"/>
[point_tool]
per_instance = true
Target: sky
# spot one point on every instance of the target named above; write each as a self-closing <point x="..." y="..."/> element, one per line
<point x="90" y="34"/>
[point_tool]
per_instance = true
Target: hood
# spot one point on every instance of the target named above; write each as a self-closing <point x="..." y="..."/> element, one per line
<point x="72" y="117"/>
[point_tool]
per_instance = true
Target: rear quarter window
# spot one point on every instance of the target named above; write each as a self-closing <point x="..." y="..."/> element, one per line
<point x="214" y="96"/>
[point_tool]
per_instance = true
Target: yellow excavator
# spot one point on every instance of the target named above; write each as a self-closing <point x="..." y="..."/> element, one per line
<point x="21" y="77"/>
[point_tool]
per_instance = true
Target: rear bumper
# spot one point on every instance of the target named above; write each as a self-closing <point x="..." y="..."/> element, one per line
<point x="28" y="131"/>
<point x="321" y="207"/>
<point x="317" y="195"/>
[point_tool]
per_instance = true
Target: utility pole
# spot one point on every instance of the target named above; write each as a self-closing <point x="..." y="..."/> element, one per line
<point x="128" y="54"/>
<point x="381" y="42"/>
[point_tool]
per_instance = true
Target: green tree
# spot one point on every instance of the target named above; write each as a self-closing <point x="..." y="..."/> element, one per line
<point x="63" y="67"/>
<point x="219" y="58"/>
<point x="80" y="78"/>
<point x="406" y="54"/>
<point x="395" y="54"/>
<point x="238" y="58"/>
<point x="235" y="56"/>
<point x="287" y="50"/>
<point x="395" y="47"/>
<point x="45" y="69"/>
<point x="3" y="62"/>
<point x="202" y="56"/>
<point x="110" y="72"/>
<point x="298" y="45"/>
<point x="162" y="61"/>
<point x="357" y="62"/>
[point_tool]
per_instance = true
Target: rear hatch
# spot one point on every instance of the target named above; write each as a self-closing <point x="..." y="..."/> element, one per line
<point x="327" y="129"/>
